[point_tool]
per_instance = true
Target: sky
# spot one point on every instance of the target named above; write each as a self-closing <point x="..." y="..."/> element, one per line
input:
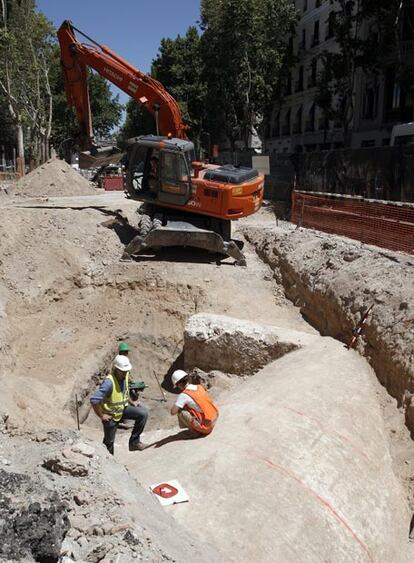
<point x="131" y="28"/>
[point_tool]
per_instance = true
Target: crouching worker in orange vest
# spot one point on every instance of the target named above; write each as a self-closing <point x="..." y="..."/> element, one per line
<point x="193" y="406"/>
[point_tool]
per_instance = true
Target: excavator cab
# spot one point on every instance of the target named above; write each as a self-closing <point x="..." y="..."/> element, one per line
<point x="159" y="169"/>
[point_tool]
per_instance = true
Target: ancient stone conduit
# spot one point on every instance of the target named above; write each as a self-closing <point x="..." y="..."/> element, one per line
<point x="334" y="281"/>
<point x="233" y="345"/>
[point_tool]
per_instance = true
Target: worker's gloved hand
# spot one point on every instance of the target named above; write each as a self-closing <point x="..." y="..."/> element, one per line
<point x="106" y="418"/>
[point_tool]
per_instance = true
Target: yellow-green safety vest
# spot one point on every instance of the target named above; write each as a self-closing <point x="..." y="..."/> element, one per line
<point x="118" y="400"/>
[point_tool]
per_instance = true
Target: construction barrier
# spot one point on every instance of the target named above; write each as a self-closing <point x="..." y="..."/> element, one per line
<point x="8" y="176"/>
<point x="112" y="183"/>
<point x="386" y="224"/>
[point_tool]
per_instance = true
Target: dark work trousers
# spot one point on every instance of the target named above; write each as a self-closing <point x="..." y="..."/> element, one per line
<point x="139" y="414"/>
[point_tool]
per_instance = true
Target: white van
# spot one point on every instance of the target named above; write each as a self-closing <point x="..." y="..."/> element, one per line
<point x="402" y="134"/>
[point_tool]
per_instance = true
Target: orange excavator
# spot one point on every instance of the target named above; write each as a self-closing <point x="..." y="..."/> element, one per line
<point x="186" y="202"/>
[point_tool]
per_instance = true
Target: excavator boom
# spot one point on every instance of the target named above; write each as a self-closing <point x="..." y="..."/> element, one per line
<point x="145" y="90"/>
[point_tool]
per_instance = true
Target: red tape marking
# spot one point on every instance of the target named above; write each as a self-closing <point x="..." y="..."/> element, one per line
<point x="323" y="501"/>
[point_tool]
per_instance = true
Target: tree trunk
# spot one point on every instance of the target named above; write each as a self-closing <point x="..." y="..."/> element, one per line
<point x="20" y="148"/>
<point x="47" y="147"/>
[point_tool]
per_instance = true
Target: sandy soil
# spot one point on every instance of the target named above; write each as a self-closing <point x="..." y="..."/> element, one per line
<point x="66" y="300"/>
<point x="53" y="178"/>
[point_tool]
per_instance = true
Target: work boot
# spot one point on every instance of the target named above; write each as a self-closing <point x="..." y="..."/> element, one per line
<point x="137" y="446"/>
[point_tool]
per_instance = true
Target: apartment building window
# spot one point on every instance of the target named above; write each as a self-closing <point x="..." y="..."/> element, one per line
<point x="276" y="126"/>
<point x="315" y="40"/>
<point x="290" y="46"/>
<point x="331" y="25"/>
<point x="299" y="83"/>
<point x="288" y="89"/>
<point x="408" y="23"/>
<point x="310" y="120"/>
<point x="370" y="102"/>
<point x="313" y="74"/>
<point x="297" y="126"/>
<point x="286" y="123"/>
<point x="396" y="96"/>
<point x="303" y="41"/>
<point x="323" y="123"/>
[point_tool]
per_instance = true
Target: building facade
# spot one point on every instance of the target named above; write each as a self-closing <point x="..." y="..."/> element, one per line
<point x="299" y="125"/>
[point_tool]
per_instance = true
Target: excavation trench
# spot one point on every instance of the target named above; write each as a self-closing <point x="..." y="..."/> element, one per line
<point x="288" y="429"/>
<point x="335" y="281"/>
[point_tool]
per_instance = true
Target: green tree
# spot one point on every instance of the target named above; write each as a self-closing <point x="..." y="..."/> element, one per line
<point x="179" y="66"/>
<point x="138" y="121"/>
<point x="26" y="39"/>
<point x="243" y="50"/>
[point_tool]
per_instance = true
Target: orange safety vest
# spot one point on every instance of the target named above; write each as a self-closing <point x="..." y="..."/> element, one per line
<point x="203" y="421"/>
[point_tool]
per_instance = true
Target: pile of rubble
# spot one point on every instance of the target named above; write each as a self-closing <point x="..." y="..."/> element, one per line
<point x="63" y="501"/>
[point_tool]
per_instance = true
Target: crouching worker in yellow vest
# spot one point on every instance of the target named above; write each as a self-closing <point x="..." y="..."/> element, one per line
<point x="193" y="406"/>
<point x="113" y="405"/>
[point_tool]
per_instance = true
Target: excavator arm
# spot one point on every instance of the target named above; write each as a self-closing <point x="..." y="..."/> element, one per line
<point x="77" y="56"/>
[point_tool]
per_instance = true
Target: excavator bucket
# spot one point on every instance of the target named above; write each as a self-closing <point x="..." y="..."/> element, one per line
<point x="100" y="157"/>
<point x="182" y="233"/>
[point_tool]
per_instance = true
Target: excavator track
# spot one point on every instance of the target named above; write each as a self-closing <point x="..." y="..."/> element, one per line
<point x="155" y="233"/>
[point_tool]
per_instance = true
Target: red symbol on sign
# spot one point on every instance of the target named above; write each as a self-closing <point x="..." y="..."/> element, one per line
<point x="165" y="491"/>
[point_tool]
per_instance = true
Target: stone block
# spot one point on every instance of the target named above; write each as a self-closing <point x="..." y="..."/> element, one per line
<point x="236" y="346"/>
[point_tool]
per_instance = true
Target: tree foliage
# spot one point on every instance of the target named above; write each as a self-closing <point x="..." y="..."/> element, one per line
<point x="26" y="38"/>
<point x="179" y="67"/>
<point x="138" y="121"/>
<point x="32" y="87"/>
<point x="243" y="49"/>
<point x="226" y="79"/>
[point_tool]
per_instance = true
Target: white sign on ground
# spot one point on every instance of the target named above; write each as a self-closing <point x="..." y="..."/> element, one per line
<point x="262" y="164"/>
<point x="169" y="492"/>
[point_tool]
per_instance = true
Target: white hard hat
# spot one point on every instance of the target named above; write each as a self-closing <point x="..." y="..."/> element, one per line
<point x="177" y="375"/>
<point x="122" y="363"/>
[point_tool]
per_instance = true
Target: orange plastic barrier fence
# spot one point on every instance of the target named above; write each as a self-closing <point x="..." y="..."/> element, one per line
<point x="386" y="224"/>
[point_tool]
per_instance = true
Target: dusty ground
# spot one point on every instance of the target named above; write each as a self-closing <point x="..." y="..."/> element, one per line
<point x="66" y="300"/>
<point x="334" y="280"/>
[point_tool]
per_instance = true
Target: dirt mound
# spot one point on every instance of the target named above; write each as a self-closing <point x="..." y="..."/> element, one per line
<point x="54" y="178"/>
